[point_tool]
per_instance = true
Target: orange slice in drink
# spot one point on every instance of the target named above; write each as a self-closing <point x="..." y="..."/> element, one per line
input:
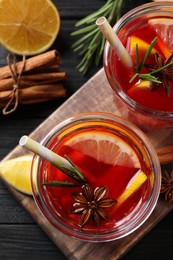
<point x="141" y="85"/>
<point x="28" y="27"/>
<point x="108" y="148"/>
<point x="141" y="93"/>
<point x="105" y="147"/>
<point x="142" y="48"/>
<point x="163" y="28"/>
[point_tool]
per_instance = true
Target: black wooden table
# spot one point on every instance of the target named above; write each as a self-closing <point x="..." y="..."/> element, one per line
<point x="20" y="236"/>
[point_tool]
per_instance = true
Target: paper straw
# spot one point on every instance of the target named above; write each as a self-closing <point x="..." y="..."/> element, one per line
<point x="114" y="41"/>
<point x="44" y="152"/>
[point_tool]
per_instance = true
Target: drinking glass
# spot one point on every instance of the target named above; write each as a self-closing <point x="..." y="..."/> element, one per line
<point x="149" y="112"/>
<point x="112" y="153"/>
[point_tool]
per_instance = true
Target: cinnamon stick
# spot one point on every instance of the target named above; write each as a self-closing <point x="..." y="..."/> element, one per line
<point x="39" y="61"/>
<point x="35" y="94"/>
<point x="44" y="69"/>
<point x="165" y="154"/>
<point x="32" y="80"/>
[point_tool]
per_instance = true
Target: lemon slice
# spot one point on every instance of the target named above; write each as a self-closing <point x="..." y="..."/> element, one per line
<point x="135" y="183"/>
<point x="105" y="147"/>
<point x="28" y="27"/>
<point x="16" y="172"/>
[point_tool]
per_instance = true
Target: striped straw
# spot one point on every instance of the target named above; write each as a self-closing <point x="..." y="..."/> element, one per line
<point x="114" y="41"/>
<point x="44" y="152"/>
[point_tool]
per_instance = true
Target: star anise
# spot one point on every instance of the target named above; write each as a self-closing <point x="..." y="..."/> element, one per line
<point x="163" y="75"/>
<point x="92" y="205"/>
<point x="167" y="185"/>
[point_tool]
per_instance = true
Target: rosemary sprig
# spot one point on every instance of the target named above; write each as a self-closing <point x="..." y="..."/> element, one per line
<point x="139" y="67"/>
<point x="90" y="46"/>
<point x="64" y="164"/>
<point x="73" y="172"/>
<point x="147" y="76"/>
<point x="60" y="184"/>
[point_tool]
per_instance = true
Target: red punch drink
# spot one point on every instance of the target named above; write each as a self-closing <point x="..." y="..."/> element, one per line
<point x="121" y="178"/>
<point x="145" y="94"/>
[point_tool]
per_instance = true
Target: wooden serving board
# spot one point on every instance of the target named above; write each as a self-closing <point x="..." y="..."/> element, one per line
<point x="95" y="95"/>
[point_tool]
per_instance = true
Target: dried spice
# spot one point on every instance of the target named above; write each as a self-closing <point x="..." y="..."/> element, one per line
<point x="167" y="185"/>
<point x="92" y="205"/>
<point x="33" y="80"/>
<point x="159" y="73"/>
<point x="163" y="75"/>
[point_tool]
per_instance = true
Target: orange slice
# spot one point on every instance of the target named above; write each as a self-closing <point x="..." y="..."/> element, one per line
<point x="142" y="47"/>
<point x="105" y="147"/>
<point x="163" y="27"/>
<point x="28" y="27"/>
<point x="140" y="85"/>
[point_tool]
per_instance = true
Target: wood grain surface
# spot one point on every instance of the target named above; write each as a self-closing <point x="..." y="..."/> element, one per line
<point x="20" y="235"/>
<point x="95" y="95"/>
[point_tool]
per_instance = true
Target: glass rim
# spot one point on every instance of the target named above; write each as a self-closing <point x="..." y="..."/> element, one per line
<point x="151" y="113"/>
<point x="147" y="207"/>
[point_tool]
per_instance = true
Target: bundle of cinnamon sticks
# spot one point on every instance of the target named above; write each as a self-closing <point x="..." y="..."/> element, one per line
<point x="39" y="81"/>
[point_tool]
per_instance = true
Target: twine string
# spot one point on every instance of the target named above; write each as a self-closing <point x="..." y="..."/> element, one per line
<point x="14" y="94"/>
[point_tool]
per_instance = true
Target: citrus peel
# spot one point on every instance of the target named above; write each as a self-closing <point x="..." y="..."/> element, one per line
<point x="135" y="183"/>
